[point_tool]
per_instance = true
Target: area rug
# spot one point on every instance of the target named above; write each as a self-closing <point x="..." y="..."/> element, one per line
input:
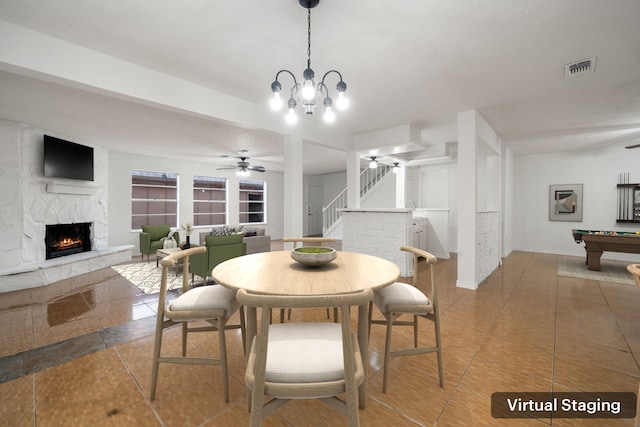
<point x="146" y="276"/>
<point x="611" y="271"/>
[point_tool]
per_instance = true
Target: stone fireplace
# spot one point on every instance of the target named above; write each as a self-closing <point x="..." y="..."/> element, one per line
<point x="32" y="204"/>
<point x="67" y="239"/>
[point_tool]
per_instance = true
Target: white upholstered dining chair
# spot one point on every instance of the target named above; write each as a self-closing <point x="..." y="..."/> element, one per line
<point x="400" y="299"/>
<point x="307" y="360"/>
<point x="213" y="304"/>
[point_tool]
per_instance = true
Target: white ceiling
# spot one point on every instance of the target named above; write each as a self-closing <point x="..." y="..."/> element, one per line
<point x="417" y="62"/>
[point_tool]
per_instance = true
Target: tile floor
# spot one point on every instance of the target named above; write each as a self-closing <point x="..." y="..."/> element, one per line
<point x="78" y="353"/>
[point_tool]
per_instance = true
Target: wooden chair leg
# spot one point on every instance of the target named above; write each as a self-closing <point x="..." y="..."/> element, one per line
<point x="222" y="344"/>
<point x="387" y="352"/>
<point x="243" y="330"/>
<point x="370" y="319"/>
<point x="351" y="397"/>
<point x="156" y="357"/>
<point x="184" y="328"/>
<point x="436" y="324"/>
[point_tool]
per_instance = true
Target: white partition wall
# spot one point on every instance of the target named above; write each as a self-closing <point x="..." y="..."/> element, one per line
<point x="479" y="200"/>
<point x="379" y="232"/>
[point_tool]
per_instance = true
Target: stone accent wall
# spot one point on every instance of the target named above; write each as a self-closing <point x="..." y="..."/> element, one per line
<point x="487" y="244"/>
<point x="378" y="233"/>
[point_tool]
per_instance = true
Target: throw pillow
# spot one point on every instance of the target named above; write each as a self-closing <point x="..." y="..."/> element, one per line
<point x="221" y="231"/>
<point x="250" y="234"/>
<point x="168" y="242"/>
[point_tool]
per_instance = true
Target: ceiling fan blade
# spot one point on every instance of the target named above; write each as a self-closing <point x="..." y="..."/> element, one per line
<point x="633" y="146"/>
<point x="257" y="168"/>
<point x="228" y="168"/>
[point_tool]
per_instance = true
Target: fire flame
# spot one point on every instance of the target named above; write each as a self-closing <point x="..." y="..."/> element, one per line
<point x="67" y="243"/>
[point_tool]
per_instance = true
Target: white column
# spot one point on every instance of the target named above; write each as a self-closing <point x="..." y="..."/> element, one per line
<point x="479" y="199"/>
<point x="353" y="180"/>
<point x="293" y="188"/>
<point x="401" y="183"/>
<point x="233" y="206"/>
<point x="507" y="201"/>
<point x="467" y="194"/>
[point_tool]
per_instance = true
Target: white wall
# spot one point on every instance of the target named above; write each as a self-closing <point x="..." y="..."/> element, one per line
<point x="333" y="184"/>
<point x="507" y="202"/>
<point x="443" y="176"/>
<point x="380" y="233"/>
<point x="383" y="195"/>
<point x="121" y="165"/>
<point x="597" y="170"/>
<point x="11" y="211"/>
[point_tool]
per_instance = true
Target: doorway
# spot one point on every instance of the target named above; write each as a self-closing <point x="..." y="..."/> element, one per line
<point x="314" y="210"/>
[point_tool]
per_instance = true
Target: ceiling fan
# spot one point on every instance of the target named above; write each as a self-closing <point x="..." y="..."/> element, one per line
<point x="243" y="168"/>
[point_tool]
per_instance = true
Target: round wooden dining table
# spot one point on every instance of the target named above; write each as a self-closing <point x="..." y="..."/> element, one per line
<point x="278" y="274"/>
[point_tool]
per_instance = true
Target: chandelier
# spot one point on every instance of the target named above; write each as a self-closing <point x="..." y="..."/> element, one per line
<point x="308" y="93"/>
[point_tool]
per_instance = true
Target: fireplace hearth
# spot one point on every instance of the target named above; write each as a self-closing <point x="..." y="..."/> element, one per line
<point x="67" y="239"/>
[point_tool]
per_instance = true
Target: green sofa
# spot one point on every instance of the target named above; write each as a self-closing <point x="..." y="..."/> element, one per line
<point x="219" y="249"/>
<point x="152" y="238"/>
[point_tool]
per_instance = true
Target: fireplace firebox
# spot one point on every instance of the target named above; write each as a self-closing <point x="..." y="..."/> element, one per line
<point x="67" y="239"/>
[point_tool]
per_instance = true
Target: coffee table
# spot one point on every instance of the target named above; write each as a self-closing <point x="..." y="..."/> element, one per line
<point x="161" y="253"/>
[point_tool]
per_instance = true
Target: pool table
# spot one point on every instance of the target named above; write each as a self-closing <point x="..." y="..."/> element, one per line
<point x="596" y="242"/>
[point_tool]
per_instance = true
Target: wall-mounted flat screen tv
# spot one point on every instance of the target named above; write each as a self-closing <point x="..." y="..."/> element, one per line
<point x="65" y="159"/>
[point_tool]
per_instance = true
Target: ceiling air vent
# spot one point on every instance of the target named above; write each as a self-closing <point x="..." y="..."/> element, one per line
<point x="580" y="67"/>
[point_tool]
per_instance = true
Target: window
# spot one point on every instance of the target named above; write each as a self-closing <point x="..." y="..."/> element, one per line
<point x="209" y="201"/>
<point x="252" y="202"/>
<point x="154" y="199"/>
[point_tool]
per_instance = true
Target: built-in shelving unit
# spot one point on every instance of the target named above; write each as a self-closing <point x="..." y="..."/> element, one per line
<point x="628" y="200"/>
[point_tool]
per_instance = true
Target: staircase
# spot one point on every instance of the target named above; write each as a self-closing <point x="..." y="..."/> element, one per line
<point x="332" y="216"/>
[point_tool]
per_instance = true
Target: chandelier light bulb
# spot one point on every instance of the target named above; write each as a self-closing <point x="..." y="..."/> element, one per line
<point x="308" y="90"/>
<point x="291" y="117"/>
<point x="329" y="115"/>
<point x="342" y="102"/>
<point x="276" y="101"/>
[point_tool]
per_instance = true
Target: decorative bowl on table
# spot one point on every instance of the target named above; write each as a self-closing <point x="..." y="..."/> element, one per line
<point x="313" y="256"/>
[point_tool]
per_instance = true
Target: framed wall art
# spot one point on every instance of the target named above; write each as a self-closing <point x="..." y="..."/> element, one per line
<point x="565" y="202"/>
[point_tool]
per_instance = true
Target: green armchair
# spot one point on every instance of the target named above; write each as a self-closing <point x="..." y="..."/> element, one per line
<point x="219" y="249"/>
<point x="152" y="238"/>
